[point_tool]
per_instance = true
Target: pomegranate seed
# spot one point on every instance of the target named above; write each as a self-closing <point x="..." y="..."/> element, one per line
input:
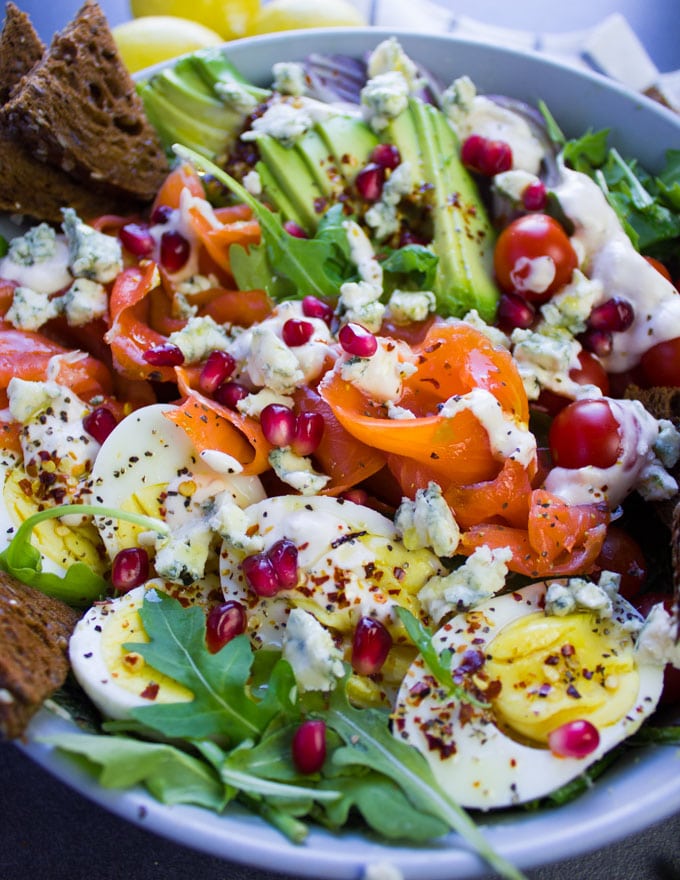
<point x="309" y="428"/>
<point x="130" y="569"/>
<point x="599" y="342"/>
<point x="316" y="308"/>
<point x="295" y="332"/>
<point x="496" y="158"/>
<point x="614" y="315"/>
<point x="294" y="229"/>
<point x="575" y="739"/>
<point x="308" y="748"/>
<point x="136" y="238"/>
<point x="278" y="424"/>
<point x="217" y="368"/>
<point x="535" y="196"/>
<point x="514" y="311"/>
<point x="386" y="155"/>
<point x="407" y="237"/>
<point x="472" y="149"/>
<point x="284" y="557"/>
<point x="161" y="214"/>
<point x="229" y="394"/>
<point x="224" y="623"/>
<point x="370" y="181"/>
<point x="166" y="355"/>
<point x="260" y="574"/>
<point x="370" y="646"/>
<point x="99" y="423"/>
<point x="357" y="340"/>
<point x="175" y="250"/>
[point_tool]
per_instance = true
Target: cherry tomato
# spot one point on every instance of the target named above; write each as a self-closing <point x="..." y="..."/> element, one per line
<point x="525" y="240"/>
<point x="585" y="433"/>
<point x="671" y="676"/>
<point x="661" y="363"/>
<point x="589" y="372"/>
<point x="659" y="266"/>
<point x="621" y="553"/>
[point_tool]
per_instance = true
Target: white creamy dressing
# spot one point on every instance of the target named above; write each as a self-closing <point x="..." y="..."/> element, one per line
<point x="639" y="431"/>
<point x="44" y="276"/>
<point x="609" y="257"/>
<point x="506" y="438"/>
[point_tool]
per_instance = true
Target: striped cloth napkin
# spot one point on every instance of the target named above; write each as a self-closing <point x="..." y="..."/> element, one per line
<point x="611" y="47"/>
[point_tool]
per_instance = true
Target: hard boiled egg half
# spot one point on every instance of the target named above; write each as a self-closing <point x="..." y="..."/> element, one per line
<point x="118" y="680"/>
<point x="144" y="455"/>
<point x="534" y="673"/>
<point x="351" y="565"/>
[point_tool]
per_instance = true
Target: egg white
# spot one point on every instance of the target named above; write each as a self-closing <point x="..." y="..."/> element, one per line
<point x="116" y="685"/>
<point x="142" y="455"/>
<point x="338" y="544"/>
<point x="477" y="763"/>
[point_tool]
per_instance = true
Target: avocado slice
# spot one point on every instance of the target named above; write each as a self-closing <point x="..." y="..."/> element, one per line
<point x="320" y="163"/>
<point x="175" y="126"/>
<point x="463" y="237"/>
<point x="293" y="178"/>
<point x="350" y="142"/>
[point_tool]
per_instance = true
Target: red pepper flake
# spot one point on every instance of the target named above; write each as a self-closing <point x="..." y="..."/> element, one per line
<point x="150" y="692"/>
<point x="567" y="650"/>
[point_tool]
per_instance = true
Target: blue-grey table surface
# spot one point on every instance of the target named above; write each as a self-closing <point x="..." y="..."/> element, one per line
<point x="48" y="831"/>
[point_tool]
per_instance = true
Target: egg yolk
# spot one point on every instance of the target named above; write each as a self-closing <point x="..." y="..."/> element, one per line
<point x="552" y="670"/>
<point x="128" y="668"/>
<point x="61" y="543"/>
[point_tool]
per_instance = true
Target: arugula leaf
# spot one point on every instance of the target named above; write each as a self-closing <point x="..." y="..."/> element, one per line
<point x="283" y="265"/>
<point x="412" y="267"/>
<point x="4" y="246"/>
<point x="222" y="705"/>
<point x="647" y="206"/>
<point x="369" y="743"/>
<point x="231" y="770"/>
<point x="421" y="637"/>
<point x="79" y="586"/>
<point x="384" y="807"/>
<point x="170" y="775"/>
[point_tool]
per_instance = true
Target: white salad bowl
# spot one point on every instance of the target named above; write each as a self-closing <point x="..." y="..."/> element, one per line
<point x="641" y="788"/>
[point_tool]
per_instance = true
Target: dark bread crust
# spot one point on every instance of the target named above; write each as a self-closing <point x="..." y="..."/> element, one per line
<point x="79" y="111"/>
<point x="34" y="635"/>
<point x="21" y="48"/>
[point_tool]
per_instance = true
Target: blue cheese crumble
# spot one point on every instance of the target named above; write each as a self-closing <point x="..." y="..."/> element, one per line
<point x="427" y="521"/>
<point x="482" y="575"/>
<point x="84" y="301"/>
<point x="199" y="337"/>
<point x="383" y="98"/>
<point x="30" y="309"/>
<point x="92" y="254"/>
<point x="311" y="651"/>
<point x="297" y="471"/>
<point x="289" y="78"/>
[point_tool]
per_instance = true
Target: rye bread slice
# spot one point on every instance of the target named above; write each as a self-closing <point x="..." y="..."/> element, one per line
<point x="34" y="634"/>
<point x="78" y="110"/>
<point x="20" y="49"/>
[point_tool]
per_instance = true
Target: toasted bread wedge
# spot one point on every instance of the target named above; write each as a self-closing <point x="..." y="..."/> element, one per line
<point x="20" y="49"/>
<point x="77" y="110"/>
<point x="34" y="634"/>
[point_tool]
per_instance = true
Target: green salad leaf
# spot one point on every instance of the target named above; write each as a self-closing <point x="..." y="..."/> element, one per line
<point x="79" y="586"/>
<point x="369" y="743"/>
<point x="285" y="266"/>
<point x="170" y="774"/>
<point x="222" y="705"/>
<point x="439" y="663"/>
<point x="412" y="267"/>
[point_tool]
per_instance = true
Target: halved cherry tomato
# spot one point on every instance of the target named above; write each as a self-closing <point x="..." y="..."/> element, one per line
<point x="589" y="372"/>
<point x="518" y="257"/>
<point x="621" y="553"/>
<point x="585" y="433"/>
<point x="661" y="363"/>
